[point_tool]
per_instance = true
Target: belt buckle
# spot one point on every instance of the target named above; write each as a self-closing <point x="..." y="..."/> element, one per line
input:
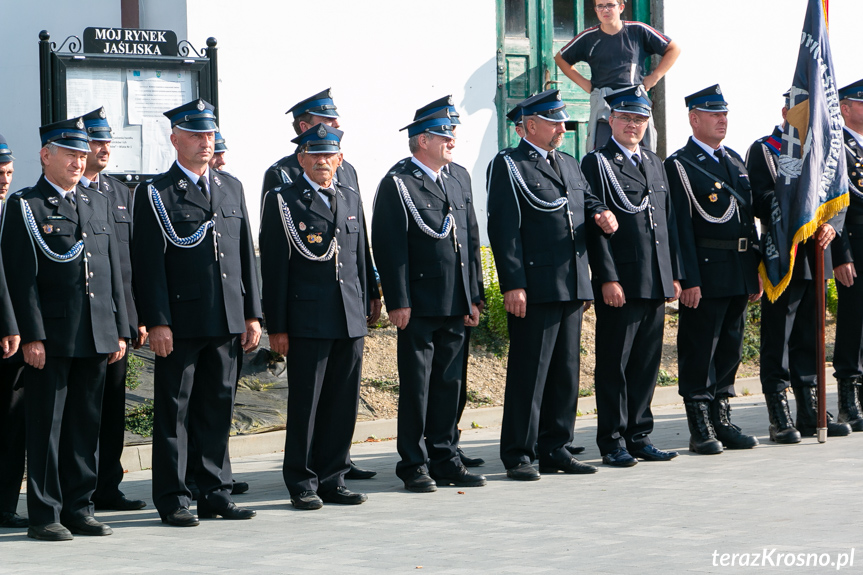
<point x="742" y="244"/>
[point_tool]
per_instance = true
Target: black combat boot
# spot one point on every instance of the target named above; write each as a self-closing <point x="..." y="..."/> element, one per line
<point x="781" y="427"/>
<point x="702" y="437"/>
<point x="807" y="415"/>
<point x="726" y="432"/>
<point x="850" y="411"/>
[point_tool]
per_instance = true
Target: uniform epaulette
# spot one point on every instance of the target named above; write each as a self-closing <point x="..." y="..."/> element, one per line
<point x="233" y="177"/>
<point x="347" y="187"/>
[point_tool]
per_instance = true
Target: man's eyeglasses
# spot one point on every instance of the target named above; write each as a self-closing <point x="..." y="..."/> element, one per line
<point x="634" y="120"/>
<point x="606" y="7"/>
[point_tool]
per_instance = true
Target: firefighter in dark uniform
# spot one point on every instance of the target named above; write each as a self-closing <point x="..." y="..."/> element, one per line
<point x="313" y="264"/>
<point x="848" y="248"/>
<point x="422" y="245"/>
<point x="112" y="428"/>
<point x="634" y="273"/>
<point x="69" y="303"/>
<point x="196" y="288"/>
<point x="318" y="109"/>
<point x="788" y="348"/>
<point x="713" y="206"/>
<point x="539" y="208"/>
<point x="11" y="393"/>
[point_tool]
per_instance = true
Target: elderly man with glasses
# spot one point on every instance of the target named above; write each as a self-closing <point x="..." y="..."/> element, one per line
<point x="616" y="51"/>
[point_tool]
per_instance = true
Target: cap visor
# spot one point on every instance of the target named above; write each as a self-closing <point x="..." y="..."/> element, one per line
<point x="198" y="126"/>
<point x="633" y="110"/>
<point x="323" y="149"/>
<point x="444" y="134"/>
<point x="77" y="145"/>
<point x="712" y="108"/>
<point x="5" y="158"/>
<point x="558" y="115"/>
<point x="321" y="113"/>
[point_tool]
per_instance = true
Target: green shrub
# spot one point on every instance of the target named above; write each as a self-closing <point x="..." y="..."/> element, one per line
<point x="832" y="298"/>
<point x="752" y="333"/>
<point x="140" y="419"/>
<point x="134" y="367"/>
<point x="665" y="379"/>
<point x="492" y="331"/>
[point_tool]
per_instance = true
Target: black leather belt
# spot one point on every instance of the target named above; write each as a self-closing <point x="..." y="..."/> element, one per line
<point x="738" y="245"/>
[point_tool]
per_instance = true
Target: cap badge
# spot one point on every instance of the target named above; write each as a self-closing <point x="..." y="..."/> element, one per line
<point x="449" y="101"/>
<point x="102" y="113"/>
<point x="322" y="132"/>
<point x="718" y="91"/>
<point x="558" y="97"/>
<point x="329" y="93"/>
<point x="80" y="124"/>
<point x="200" y="106"/>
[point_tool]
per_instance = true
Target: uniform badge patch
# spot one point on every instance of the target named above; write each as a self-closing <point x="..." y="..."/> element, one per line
<point x="713" y="197"/>
<point x="618" y="157"/>
<point x="302" y="226"/>
<point x="718" y="185"/>
<point x="121" y="207"/>
<point x="182" y="184"/>
<point x="314" y="238"/>
<point x="351" y="218"/>
<point x="217" y="180"/>
<point x="860" y="183"/>
<point x="322" y="132"/>
<point x="47" y="228"/>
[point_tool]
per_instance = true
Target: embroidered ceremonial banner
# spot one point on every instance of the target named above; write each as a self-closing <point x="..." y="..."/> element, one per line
<point x="812" y="182"/>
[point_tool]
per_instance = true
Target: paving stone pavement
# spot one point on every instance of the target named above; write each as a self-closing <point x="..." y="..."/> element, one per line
<point x="659" y="518"/>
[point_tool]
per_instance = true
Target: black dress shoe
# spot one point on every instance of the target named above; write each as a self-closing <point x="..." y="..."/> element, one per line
<point x="229" y="511"/>
<point x="652" y="453"/>
<point x="181" y="517"/>
<point x="461" y="477"/>
<point x="619" y="458"/>
<point x="120" y="503"/>
<point x="470" y="461"/>
<point x="12" y="520"/>
<point x="87" y="525"/>
<point x="523" y="472"/>
<point x="575" y="449"/>
<point x="420" y="482"/>
<point x="357" y="473"/>
<point x="572" y="465"/>
<point x="239" y="487"/>
<point x="49" y="532"/>
<point x="344" y="496"/>
<point x="307" y="500"/>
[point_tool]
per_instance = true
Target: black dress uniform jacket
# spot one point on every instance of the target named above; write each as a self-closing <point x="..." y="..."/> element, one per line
<point x="205" y="291"/>
<point x="74" y="317"/>
<point x="842" y="247"/>
<point x="644" y="262"/>
<point x="288" y="170"/>
<point x="312" y="299"/>
<point x="417" y="271"/>
<point x="711" y="252"/>
<point x="535" y="250"/>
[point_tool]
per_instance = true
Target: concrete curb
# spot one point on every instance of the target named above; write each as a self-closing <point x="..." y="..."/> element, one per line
<point x="139" y="457"/>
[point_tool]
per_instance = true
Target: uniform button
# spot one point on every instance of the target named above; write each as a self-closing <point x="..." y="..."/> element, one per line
<point x="219" y="234"/>
<point x="233" y="211"/>
<point x="103" y="228"/>
<point x="428" y="205"/>
<point x="338" y="231"/>
<point x="178" y="297"/>
<point x="657" y="242"/>
<point x="221" y="255"/>
<point x="530" y="263"/>
<point x="341" y="281"/>
<point x="187" y="215"/>
<point x="84" y="235"/>
<point x="462" y="265"/>
<point x="88" y="254"/>
<point x="341" y="264"/>
<point x="92" y="295"/>
<point x="459" y="245"/>
<point x="421" y="275"/>
<point x="91" y="274"/>
<point x="224" y="275"/>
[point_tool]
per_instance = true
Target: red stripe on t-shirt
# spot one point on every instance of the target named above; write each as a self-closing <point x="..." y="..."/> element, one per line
<point x="583" y="32"/>
<point x="650" y="29"/>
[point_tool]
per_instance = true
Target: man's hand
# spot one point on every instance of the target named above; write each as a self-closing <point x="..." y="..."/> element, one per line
<point x="586" y="306"/>
<point x="472" y="320"/>
<point x="252" y="336"/>
<point x="142" y="337"/>
<point x="279" y="343"/>
<point x="612" y="294"/>
<point x="375" y="314"/>
<point x="10" y="345"/>
<point x="400" y="317"/>
<point x="162" y="340"/>
<point x="844" y="274"/>
<point x="606" y="222"/>
<point x="754" y="297"/>
<point x="677" y="291"/>
<point x="118" y="355"/>
<point x="515" y="302"/>
<point x="690" y="297"/>
<point x="34" y="354"/>
<point x="826" y="233"/>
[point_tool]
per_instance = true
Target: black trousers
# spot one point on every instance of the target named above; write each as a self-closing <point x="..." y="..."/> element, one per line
<point x="323" y="395"/>
<point x="788" y="344"/>
<point x="193" y="400"/>
<point x="112" y="432"/>
<point x="628" y="353"/>
<point x="542" y="375"/>
<point x="12" y="435"/>
<point x="709" y="347"/>
<point x="848" y="353"/>
<point x="63" y="408"/>
<point x="430" y="357"/>
<point x="462" y="392"/>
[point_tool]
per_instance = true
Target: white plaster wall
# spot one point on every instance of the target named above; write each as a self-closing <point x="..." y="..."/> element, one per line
<point x="383" y="59"/>
<point x="20" y="114"/>
<point x="748" y="47"/>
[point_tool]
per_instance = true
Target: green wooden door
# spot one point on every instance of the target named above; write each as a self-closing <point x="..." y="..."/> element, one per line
<point x="530" y="33"/>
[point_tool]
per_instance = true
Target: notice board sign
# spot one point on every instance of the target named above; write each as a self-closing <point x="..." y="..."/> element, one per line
<point x="136" y="75"/>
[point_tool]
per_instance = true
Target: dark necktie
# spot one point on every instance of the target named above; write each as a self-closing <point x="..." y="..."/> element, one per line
<point x="202" y="184"/>
<point x="552" y="161"/>
<point x="94" y="185"/>
<point x="439" y="182"/>
<point x="720" y="155"/>
<point x="637" y="159"/>
<point x="331" y="195"/>
<point x="70" y="197"/>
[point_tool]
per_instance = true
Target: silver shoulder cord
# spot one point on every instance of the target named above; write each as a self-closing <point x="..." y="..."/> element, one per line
<point x="448" y="222"/>
<point x="770" y="161"/>
<point x="294" y="238"/>
<point x="168" y="229"/>
<point x="69" y="256"/>
<point x="532" y="200"/>
<point x="729" y="213"/>
<point x="610" y="180"/>
<point x="854" y="189"/>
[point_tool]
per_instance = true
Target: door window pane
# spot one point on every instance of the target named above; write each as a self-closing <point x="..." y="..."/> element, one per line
<point x="516" y="18"/>
<point x="564" y="19"/>
<point x="590" y="17"/>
